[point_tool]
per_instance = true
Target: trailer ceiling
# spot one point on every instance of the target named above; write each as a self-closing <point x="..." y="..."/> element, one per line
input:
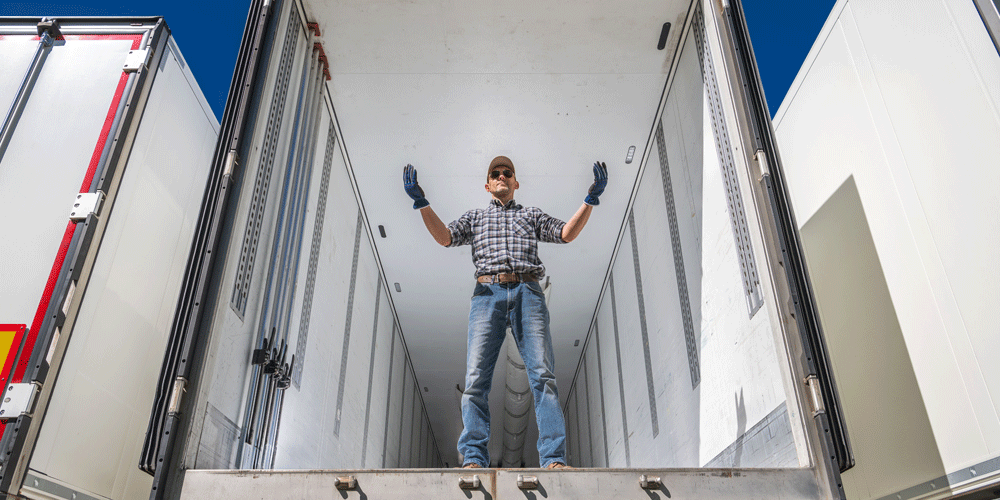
<point x="447" y="86"/>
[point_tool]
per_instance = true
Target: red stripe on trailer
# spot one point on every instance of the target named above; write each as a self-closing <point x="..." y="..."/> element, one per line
<point x="95" y="158"/>
<point x="136" y="38"/>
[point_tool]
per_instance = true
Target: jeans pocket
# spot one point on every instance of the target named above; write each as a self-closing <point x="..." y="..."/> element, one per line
<point x="535" y="287"/>
<point x="481" y="290"/>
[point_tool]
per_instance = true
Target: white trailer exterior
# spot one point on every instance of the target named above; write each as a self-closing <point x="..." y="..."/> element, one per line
<point x="890" y="138"/>
<point x="318" y="332"/>
<point x="93" y="106"/>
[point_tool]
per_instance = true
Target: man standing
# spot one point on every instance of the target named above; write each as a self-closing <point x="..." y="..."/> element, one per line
<point x="504" y="238"/>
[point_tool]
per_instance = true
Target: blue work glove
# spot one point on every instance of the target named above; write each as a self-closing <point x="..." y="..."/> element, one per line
<point x="412" y="188"/>
<point x="600" y="181"/>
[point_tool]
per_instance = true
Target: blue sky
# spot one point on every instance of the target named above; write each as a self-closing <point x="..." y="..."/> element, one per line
<point x="209" y="32"/>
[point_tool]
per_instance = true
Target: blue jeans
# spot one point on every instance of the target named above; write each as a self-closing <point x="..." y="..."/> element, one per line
<point x="522" y="307"/>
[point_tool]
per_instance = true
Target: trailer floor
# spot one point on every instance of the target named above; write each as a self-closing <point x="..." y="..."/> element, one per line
<point x="502" y="484"/>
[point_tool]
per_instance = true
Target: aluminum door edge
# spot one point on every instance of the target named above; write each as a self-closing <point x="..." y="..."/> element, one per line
<point x="815" y="366"/>
<point x="159" y="454"/>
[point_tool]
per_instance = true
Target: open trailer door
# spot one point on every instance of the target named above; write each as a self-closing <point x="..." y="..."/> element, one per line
<point x="285" y="227"/>
<point x="100" y="169"/>
<point x="892" y="181"/>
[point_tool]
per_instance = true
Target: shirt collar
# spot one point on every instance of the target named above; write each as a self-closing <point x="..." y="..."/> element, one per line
<point x="508" y="206"/>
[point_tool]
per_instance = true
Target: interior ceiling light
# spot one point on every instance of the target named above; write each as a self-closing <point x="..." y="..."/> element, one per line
<point x="628" y="156"/>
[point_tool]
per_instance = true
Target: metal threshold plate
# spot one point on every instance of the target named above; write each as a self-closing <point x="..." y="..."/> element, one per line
<point x="502" y="484"/>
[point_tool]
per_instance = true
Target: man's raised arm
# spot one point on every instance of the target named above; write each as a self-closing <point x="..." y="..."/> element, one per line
<point x="434" y="225"/>
<point x="572" y="228"/>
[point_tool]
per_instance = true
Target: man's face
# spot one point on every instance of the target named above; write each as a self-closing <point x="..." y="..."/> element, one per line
<point x="500" y="185"/>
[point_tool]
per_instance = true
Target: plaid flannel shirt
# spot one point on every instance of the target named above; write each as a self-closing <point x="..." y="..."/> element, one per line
<point x="505" y="238"/>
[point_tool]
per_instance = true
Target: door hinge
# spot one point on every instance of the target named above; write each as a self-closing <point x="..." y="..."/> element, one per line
<point x="84" y="205"/>
<point x="232" y="161"/>
<point x="136" y="59"/>
<point x="812" y="383"/>
<point x="177" y="395"/>
<point x="761" y="158"/>
<point x="19" y="399"/>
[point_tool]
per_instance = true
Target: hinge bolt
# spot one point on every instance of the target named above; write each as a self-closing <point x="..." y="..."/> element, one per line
<point x="346" y="483"/>
<point x="650" y="482"/>
<point x="527" y="482"/>
<point x="469" y="483"/>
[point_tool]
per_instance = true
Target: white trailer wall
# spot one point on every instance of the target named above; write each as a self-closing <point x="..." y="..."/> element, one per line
<point x="91" y="435"/>
<point x="353" y="401"/>
<point x="680" y="370"/>
<point x="889" y="139"/>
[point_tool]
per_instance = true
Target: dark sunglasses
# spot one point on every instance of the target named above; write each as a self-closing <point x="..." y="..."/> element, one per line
<point x="506" y="173"/>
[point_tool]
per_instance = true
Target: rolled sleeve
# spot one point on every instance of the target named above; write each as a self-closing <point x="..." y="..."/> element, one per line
<point x="549" y="229"/>
<point x="461" y="230"/>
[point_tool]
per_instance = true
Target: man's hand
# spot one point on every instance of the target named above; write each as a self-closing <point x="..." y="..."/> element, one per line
<point x="413" y="189"/>
<point x="600" y="181"/>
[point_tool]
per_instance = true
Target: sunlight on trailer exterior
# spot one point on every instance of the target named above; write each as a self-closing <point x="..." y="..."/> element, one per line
<point x="893" y="184"/>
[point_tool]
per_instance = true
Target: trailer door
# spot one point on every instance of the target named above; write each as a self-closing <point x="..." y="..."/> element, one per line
<point x="69" y="89"/>
<point x="92" y="158"/>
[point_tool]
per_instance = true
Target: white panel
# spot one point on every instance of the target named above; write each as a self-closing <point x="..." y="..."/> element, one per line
<point x="867" y="344"/>
<point x="462" y="36"/>
<point x="379" y="411"/>
<point x="676" y="444"/>
<point x="904" y="97"/>
<point x="46" y="160"/>
<point x="633" y="367"/>
<point x="406" y="419"/>
<point x="617" y="419"/>
<point x="310" y="412"/>
<point x="16" y="54"/>
<point x="586" y="429"/>
<point x="396" y="404"/>
<point x="356" y="376"/>
<point x="948" y="178"/>
<point x="741" y="376"/>
<point x="596" y="410"/>
<point x="113" y="359"/>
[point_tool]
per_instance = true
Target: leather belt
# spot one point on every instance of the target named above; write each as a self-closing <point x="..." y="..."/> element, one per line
<point x="506" y="278"/>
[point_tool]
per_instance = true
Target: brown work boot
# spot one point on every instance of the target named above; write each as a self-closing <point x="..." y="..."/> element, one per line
<point x="558" y="465"/>
<point x="472" y="465"/>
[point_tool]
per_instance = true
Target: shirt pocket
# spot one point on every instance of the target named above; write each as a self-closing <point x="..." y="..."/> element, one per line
<point x="523" y="228"/>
